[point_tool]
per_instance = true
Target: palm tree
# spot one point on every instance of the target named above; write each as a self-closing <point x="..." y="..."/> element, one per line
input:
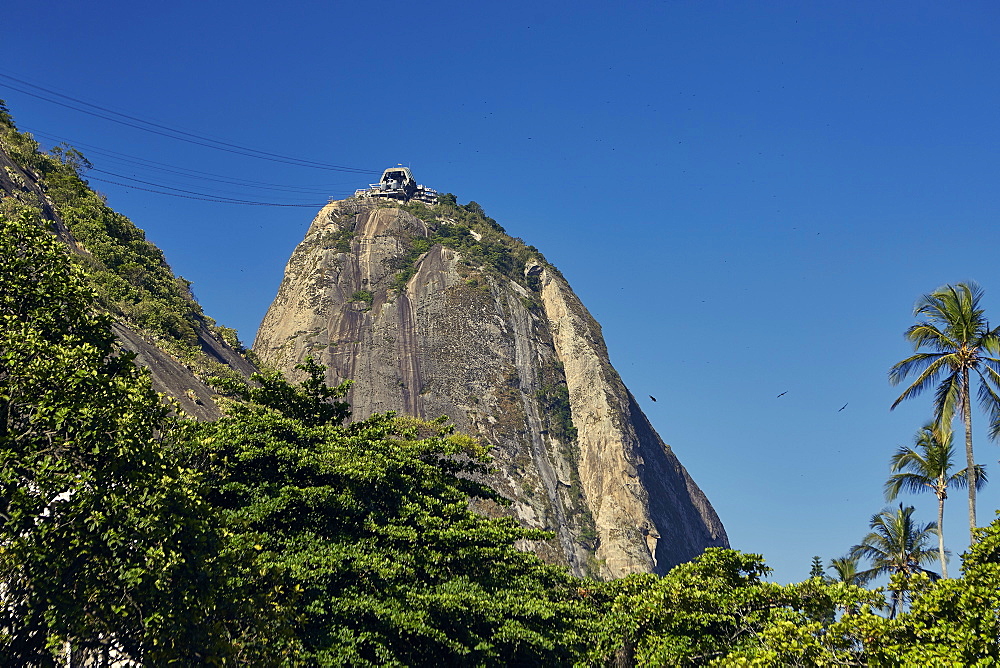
<point x="961" y="343"/>
<point x="927" y="468"/>
<point x="847" y="571"/>
<point x="846" y="568"/>
<point x="896" y="545"/>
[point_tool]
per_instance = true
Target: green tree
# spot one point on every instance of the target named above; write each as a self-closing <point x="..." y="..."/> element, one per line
<point x="816" y="570"/>
<point x="954" y="622"/>
<point x="365" y="531"/>
<point x="896" y="545"/>
<point x="106" y="541"/>
<point x="928" y="467"/>
<point x="718" y="610"/>
<point x="312" y="402"/>
<point x="961" y="344"/>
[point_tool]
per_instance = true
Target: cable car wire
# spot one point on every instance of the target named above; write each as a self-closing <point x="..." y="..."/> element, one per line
<point x="166" y="131"/>
<point x="182" y="171"/>
<point x="204" y="197"/>
<point x="223" y="193"/>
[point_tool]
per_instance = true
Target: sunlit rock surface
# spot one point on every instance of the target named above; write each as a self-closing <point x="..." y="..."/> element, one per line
<point x="510" y="362"/>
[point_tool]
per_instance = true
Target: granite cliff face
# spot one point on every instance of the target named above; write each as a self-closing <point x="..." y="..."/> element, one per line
<point x="433" y="310"/>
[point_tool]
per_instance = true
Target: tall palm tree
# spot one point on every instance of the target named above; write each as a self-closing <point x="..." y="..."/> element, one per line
<point x="896" y="545"/>
<point x="961" y="344"/>
<point x="928" y="468"/>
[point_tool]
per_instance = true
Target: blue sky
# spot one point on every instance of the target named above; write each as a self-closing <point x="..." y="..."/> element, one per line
<point x="749" y="197"/>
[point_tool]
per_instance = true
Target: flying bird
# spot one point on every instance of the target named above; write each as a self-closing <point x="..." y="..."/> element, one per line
<point x="652" y="397"/>
<point x="842" y="407"/>
<point x="782" y="394"/>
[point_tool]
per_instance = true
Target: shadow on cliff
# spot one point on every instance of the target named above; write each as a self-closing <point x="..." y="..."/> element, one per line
<point x="673" y="496"/>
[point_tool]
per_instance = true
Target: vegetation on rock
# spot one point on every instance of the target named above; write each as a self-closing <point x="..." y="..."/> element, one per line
<point x="480" y="240"/>
<point x="129" y="276"/>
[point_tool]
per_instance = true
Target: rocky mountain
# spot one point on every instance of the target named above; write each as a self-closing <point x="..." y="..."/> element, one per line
<point x="433" y="310"/>
<point x="155" y="315"/>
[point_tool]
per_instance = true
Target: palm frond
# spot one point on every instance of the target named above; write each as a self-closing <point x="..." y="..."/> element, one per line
<point x="866" y="576"/>
<point x="897" y="544"/>
<point x="990" y="341"/>
<point x="934" y="366"/>
<point x="956" y="307"/>
<point x="990" y="367"/>
<point x="899" y="371"/>
<point x="948" y="397"/>
<point x="926" y="334"/>
<point x="906" y="482"/>
<point x="989" y="399"/>
<point x="967" y="296"/>
<point x="907" y="458"/>
<point x="846" y="568"/>
<point x="870" y="549"/>
<point x="960" y="480"/>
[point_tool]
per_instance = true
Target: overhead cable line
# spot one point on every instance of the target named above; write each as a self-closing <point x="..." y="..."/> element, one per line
<point x="201" y="196"/>
<point x="166" y="131"/>
<point x="224" y="193"/>
<point x="202" y="179"/>
<point x="182" y="171"/>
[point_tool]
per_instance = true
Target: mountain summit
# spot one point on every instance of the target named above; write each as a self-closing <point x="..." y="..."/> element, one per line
<point x="434" y="310"/>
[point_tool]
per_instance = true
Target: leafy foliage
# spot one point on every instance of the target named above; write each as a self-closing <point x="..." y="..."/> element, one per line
<point x="105" y="539"/>
<point x="308" y="403"/>
<point x="718" y="610"/>
<point x="362" y="296"/>
<point x="368" y="524"/>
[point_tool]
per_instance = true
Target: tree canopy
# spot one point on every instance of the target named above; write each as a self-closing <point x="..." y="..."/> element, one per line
<point x="106" y="540"/>
<point x="276" y="534"/>
<point x="286" y="534"/>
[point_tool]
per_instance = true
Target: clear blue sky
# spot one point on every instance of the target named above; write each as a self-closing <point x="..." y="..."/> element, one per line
<point x="748" y="196"/>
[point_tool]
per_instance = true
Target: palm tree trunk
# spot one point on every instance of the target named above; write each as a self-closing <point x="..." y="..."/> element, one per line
<point x="944" y="564"/>
<point x="970" y="459"/>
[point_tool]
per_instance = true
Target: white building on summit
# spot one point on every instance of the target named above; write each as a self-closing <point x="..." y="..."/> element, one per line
<point x="398" y="183"/>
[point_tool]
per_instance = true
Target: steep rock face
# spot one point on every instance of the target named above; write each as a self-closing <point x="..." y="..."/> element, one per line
<point x="170" y="376"/>
<point x="513" y="359"/>
<point x="21" y="187"/>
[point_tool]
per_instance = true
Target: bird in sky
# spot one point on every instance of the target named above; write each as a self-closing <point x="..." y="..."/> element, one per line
<point x="782" y="394"/>
<point x="842" y="407"/>
<point x="652" y="397"/>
